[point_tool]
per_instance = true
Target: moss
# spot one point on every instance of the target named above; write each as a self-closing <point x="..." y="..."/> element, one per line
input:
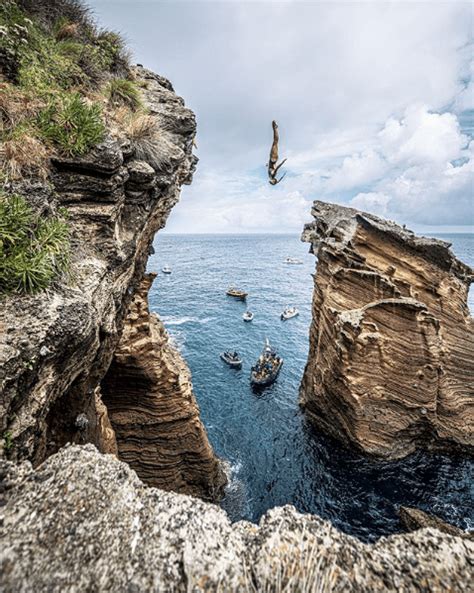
<point x="34" y="250"/>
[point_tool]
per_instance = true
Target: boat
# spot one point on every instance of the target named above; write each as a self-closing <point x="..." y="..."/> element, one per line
<point x="247" y="316"/>
<point x="166" y="269"/>
<point x="267" y="367"/>
<point x="292" y="260"/>
<point x="232" y="358"/>
<point x="236" y="293"/>
<point x="288" y="313"/>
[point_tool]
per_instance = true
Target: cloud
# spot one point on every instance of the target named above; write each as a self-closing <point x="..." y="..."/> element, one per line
<point x="370" y="97"/>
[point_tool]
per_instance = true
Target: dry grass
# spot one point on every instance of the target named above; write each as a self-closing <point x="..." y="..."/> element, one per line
<point x="16" y="106"/>
<point x="144" y="134"/>
<point x="24" y="156"/>
<point x="67" y="31"/>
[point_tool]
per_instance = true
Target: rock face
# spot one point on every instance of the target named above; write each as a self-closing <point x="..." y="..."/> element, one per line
<point x="390" y="365"/>
<point x="413" y="519"/>
<point x="148" y="394"/>
<point x="56" y="347"/>
<point x="84" y="522"/>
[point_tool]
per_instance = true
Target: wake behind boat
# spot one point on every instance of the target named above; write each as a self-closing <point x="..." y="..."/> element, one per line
<point x="267" y="367"/>
<point x="292" y="260"/>
<point x="232" y="358"/>
<point x="236" y="293"/>
<point x="288" y="313"/>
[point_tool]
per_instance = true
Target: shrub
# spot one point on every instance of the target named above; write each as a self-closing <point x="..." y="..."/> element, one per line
<point x="122" y="92"/>
<point x="71" y="124"/>
<point x="34" y="250"/>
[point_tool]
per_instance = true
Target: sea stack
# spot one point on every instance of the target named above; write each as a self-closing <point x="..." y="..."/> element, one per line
<point x="390" y="366"/>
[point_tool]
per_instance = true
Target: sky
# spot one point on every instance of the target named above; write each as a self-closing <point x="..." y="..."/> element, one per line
<point x="374" y="101"/>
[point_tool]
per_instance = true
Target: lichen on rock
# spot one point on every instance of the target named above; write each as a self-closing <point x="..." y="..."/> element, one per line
<point x="84" y="522"/>
<point x="390" y="364"/>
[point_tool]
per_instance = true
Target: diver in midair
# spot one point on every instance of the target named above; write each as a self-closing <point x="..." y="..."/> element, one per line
<point x="272" y="163"/>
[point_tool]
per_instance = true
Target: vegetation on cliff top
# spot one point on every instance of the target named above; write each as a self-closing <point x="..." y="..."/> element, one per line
<point x="60" y="76"/>
<point x="34" y="249"/>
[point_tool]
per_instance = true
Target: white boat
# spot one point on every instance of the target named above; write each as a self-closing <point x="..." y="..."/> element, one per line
<point x="288" y="313"/>
<point x="247" y="316"/>
<point x="166" y="269"/>
<point x="232" y="358"/>
<point x="293" y="261"/>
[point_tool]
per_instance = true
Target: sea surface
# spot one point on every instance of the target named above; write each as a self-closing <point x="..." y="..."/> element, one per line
<point x="275" y="457"/>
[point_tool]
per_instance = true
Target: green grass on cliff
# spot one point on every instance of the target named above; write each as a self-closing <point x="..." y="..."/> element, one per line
<point x="56" y="73"/>
<point x="34" y="249"/>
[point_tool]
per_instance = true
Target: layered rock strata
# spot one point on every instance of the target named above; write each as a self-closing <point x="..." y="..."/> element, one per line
<point x="151" y="405"/>
<point x="390" y="365"/>
<point x="84" y="522"/>
<point x="56" y="347"/>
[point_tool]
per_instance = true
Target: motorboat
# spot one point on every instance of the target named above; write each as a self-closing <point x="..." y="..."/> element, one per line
<point x="247" y="316"/>
<point x="236" y="293"/>
<point x="293" y="261"/>
<point x="288" y="313"/>
<point x="232" y="358"/>
<point x="267" y="367"/>
<point x="166" y="269"/>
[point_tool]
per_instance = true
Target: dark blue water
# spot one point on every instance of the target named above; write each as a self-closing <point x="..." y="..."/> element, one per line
<point x="275" y="456"/>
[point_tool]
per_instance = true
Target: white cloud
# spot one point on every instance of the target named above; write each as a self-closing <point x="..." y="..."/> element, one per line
<point x="368" y="96"/>
<point x="421" y="137"/>
<point x="371" y="202"/>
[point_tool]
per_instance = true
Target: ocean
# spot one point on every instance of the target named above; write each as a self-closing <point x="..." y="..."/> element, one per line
<point x="274" y="456"/>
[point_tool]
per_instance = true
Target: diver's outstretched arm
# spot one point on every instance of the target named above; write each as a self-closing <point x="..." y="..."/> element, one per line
<point x="278" y="180"/>
<point x="276" y="168"/>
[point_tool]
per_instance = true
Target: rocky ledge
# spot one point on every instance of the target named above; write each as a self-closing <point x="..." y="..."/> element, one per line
<point x="84" y="522"/>
<point x="390" y="366"/>
<point x="56" y="347"/>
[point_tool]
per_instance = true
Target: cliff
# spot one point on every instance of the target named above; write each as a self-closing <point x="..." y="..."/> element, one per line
<point x="84" y="522"/>
<point x="56" y="346"/>
<point x="148" y="395"/>
<point x="390" y="364"/>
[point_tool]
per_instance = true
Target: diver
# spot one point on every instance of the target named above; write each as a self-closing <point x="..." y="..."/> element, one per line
<point x="272" y="163"/>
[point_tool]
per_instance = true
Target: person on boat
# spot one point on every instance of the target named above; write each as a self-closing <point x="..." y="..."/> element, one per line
<point x="273" y="160"/>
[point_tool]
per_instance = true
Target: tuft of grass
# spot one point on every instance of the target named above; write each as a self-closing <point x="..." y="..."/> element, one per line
<point x="145" y="138"/>
<point x="71" y="124"/>
<point x="123" y="92"/>
<point x="64" y="29"/>
<point x="49" y="12"/>
<point x="34" y="250"/>
<point x="24" y="155"/>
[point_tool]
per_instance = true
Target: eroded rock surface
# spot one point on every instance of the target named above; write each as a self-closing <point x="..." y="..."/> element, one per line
<point x="390" y="366"/>
<point x="56" y="347"/>
<point x="84" y="522"/>
<point x="151" y="405"/>
<point x="413" y="519"/>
